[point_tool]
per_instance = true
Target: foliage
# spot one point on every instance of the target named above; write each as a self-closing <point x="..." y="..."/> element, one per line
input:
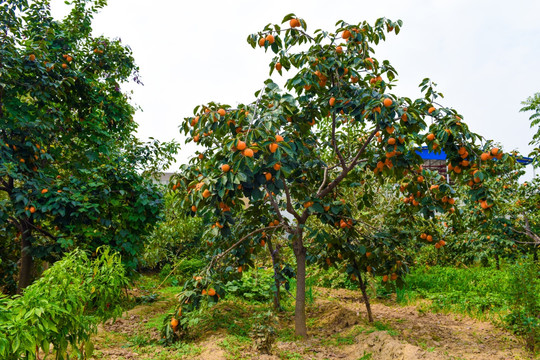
<point x="252" y="286"/>
<point x="524" y="292"/>
<point x="63" y="307"/>
<point x="70" y="165"/>
<point x="533" y="104"/>
<point x="173" y="238"/>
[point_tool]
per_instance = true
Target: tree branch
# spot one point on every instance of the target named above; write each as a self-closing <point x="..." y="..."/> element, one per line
<point x="290" y="208"/>
<point x="219" y="256"/>
<point x="347" y="169"/>
<point x="324" y="180"/>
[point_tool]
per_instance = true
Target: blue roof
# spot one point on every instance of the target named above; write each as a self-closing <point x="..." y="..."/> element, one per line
<point x="428" y="155"/>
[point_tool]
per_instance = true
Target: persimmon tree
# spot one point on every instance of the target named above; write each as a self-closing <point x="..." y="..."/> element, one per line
<point x="71" y="169"/>
<point x="288" y="157"/>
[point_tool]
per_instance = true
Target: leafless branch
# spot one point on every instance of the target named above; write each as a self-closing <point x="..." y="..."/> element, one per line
<point x="324" y="179"/>
<point x="290" y="208"/>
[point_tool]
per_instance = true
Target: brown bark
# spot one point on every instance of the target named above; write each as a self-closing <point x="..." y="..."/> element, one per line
<point x="365" y="296"/>
<point x="27" y="262"/>
<point x="300" y="308"/>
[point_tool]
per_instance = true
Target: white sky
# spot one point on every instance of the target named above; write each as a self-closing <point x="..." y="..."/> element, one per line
<point x="484" y="55"/>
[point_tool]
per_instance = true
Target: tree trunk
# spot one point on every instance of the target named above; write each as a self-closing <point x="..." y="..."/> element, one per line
<point x="300" y="309"/>
<point x="497" y="262"/>
<point x="274" y="254"/>
<point x="365" y="296"/>
<point x="27" y="262"/>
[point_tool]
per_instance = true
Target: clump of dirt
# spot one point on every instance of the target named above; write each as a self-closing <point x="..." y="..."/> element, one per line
<point x="442" y="334"/>
<point x="381" y="346"/>
<point x="333" y="317"/>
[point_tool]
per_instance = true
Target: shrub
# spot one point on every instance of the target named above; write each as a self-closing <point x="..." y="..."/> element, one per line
<point x="63" y="307"/>
<point x="253" y="286"/>
<point x="524" y="294"/>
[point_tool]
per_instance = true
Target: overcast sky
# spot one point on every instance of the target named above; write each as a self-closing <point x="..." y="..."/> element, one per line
<point x="484" y="55"/>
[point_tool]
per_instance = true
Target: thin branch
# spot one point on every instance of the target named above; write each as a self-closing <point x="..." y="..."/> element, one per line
<point x="219" y="256"/>
<point x="44" y="232"/>
<point x="334" y="143"/>
<point x="345" y="171"/>
<point x="324" y="180"/>
<point x="290" y="208"/>
<point x="276" y="208"/>
<point x="15" y="222"/>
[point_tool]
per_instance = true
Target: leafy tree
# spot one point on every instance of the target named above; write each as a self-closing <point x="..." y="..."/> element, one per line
<point x="533" y="104"/>
<point x="70" y="165"/>
<point x="286" y="158"/>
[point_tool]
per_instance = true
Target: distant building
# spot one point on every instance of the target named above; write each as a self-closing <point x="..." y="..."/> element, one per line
<point x="164" y="178"/>
<point x="437" y="161"/>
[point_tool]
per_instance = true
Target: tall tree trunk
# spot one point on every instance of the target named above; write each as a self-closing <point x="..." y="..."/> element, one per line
<point x="27" y="262"/>
<point x="365" y="296"/>
<point x="364" y="292"/>
<point x="274" y="254"/>
<point x="497" y="262"/>
<point x="300" y="309"/>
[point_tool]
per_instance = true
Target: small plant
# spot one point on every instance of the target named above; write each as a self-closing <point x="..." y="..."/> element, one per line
<point x="264" y="332"/>
<point x="252" y="286"/>
<point x="63" y="307"/>
<point x="524" y="291"/>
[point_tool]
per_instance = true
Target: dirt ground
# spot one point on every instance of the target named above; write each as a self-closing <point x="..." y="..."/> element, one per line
<point x="337" y="330"/>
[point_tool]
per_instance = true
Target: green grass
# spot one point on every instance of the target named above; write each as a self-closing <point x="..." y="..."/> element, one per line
<point x="473" y="291"/>
<point x="234" y="346"/>
<point x="347" y="338"/>
<point x="380" y="326"/>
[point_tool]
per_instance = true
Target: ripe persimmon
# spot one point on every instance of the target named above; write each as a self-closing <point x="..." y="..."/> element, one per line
<point x="221" y="112"/>
<point x="431" y="109"/>
<point x="261" y="42"/>
<point x="206" y="193"/>
<point x="241" y="145"/>
<point x="278" y="66"/>
<point x="193" y="208"/>
<point x="332" y="101"/>
<point x="346" y="34"/>
<point x="32" y="57"/>
<point x="270" y="38"/>
<point x="273" y="147"/>
<point x="279" y="138"/>
<point x="225" y="167"/>
<point x="431" y="137"/>
<point x="387" y="102"/>
<point x="294" y="23"/>
<point x="248" y="153"/>
<point x="277" y="166"/>
<point x="174" y="322"/>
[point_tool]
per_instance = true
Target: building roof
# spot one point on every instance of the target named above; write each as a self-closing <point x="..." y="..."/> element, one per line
<point x="427" y="155"/>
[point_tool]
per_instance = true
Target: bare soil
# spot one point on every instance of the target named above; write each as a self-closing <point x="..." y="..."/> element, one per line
<point x="338" y="329"/>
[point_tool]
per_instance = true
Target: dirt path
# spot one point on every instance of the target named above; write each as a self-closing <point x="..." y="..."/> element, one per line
<point x="418" y="334"/>
<point x="338" y="330"/>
